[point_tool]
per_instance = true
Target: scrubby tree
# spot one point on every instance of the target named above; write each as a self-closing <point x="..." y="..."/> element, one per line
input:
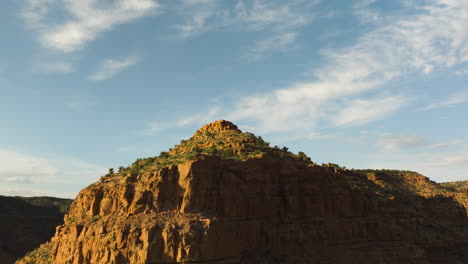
<point x="303" y="156"/>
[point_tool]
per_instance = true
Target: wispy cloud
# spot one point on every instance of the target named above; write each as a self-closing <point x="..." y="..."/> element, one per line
<point x="366" y="14"/>
<point x="445" y="159"/>
<point x="19" y="167"/>
<point x="197" y="118"/>
<point x="461" y="72"/>
<point x="25" y="168"/>
<point x="279" y="42"/>
<point x="279" y="22"/>
<point x="361" y="111"/>
<point x="197" y="13"/>
<point x="23" y="173"/>
<point x="434" y="38"/>
<point x="351" y="87"/>
<point x="448" y="144"/>
<point x="111" y="67"/>
<point x="84" y="20"/>
<point x="393" y="142"/>
<point x="451" y="101"/>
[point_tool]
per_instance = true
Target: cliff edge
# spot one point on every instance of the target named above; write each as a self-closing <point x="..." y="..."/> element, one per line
<point x="226" y="196"/>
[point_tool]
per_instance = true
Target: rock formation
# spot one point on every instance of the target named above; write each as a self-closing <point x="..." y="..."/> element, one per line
<point x="26" y="223"/>
<point x="225" y="196"/>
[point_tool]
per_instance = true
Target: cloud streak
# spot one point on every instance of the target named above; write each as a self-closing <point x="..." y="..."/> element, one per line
<point x="278" y="22"/>
<point x="392" y="142"/>
<point x="111" y="67"/>
<point x="451" y="101"/>
<point x="360" y="111"/>
<point x="434" y="38"/>
<point x="86" y="19"/>
<point x="22" y="173"/>
<point x="352" y="86"/>
<point x="19" y="167"/>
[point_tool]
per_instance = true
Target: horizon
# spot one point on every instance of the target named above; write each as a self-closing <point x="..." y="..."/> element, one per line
<point x="92" y="85"/>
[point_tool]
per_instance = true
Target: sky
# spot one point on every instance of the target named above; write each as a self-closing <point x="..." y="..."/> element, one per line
<point x="93" y="84"/>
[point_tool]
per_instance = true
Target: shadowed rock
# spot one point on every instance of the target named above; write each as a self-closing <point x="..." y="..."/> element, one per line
<point x="26" y="223"/>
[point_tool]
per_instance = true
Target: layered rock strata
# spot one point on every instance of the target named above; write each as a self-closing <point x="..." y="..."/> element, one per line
<point x="256" y="210"/>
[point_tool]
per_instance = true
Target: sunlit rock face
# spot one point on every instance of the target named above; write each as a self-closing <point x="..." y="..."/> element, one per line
<point x="225" y="196"/>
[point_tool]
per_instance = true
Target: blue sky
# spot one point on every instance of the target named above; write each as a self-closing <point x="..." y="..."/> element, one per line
<point x="88" y="85"/>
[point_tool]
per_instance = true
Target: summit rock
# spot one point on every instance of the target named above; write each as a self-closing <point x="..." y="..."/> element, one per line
<point x="218" y="126"/>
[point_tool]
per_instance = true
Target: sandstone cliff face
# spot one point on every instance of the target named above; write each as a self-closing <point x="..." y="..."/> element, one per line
<point x="256" y="210"/>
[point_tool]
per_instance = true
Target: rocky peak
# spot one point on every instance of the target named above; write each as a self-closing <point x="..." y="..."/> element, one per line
<point x="226" y="196"/>
<point x="221" y="139"/>
<point x="225" y="140"/>
<point x="218" y="126"/>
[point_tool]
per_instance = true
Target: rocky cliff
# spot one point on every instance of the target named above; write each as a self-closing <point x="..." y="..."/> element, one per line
<point x="26" y="223"/>
<point x="225" y="196"/>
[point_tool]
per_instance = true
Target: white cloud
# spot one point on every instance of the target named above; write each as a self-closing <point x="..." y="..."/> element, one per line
<point x="360" y="111"/>
<point x="111" y="67"/>
<point x="448" y="144"/>
<point x="85" y="19"/>
<point x="393" y="142"/>
<point x="434" y="38"/>
<point x="19" y="167"/>
<point x="365" y="13"/>
<point x="198" y="14"/>
<point x="444" y="159"/>
<point x="25" y="174"/>
<point x="451" y="101"/>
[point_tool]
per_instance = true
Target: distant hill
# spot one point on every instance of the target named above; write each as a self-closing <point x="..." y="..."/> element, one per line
<point x="456" y="185"/>
<point x="27" y="222"/>
<point x="59" y="204"/>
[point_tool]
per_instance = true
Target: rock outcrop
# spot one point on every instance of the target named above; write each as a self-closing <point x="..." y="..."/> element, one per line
<point x="225" y="196"/>
<point x="26" y="223"/>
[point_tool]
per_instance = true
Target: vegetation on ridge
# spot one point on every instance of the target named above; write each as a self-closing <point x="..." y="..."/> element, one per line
<point x="48" y="202"/>
<point x="221" y="139"/>
<point x="42" y="254"/>
<point x="456" y="185"/>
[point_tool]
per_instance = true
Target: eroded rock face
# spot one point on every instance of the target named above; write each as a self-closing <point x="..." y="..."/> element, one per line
<point x="256" y="211"/>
